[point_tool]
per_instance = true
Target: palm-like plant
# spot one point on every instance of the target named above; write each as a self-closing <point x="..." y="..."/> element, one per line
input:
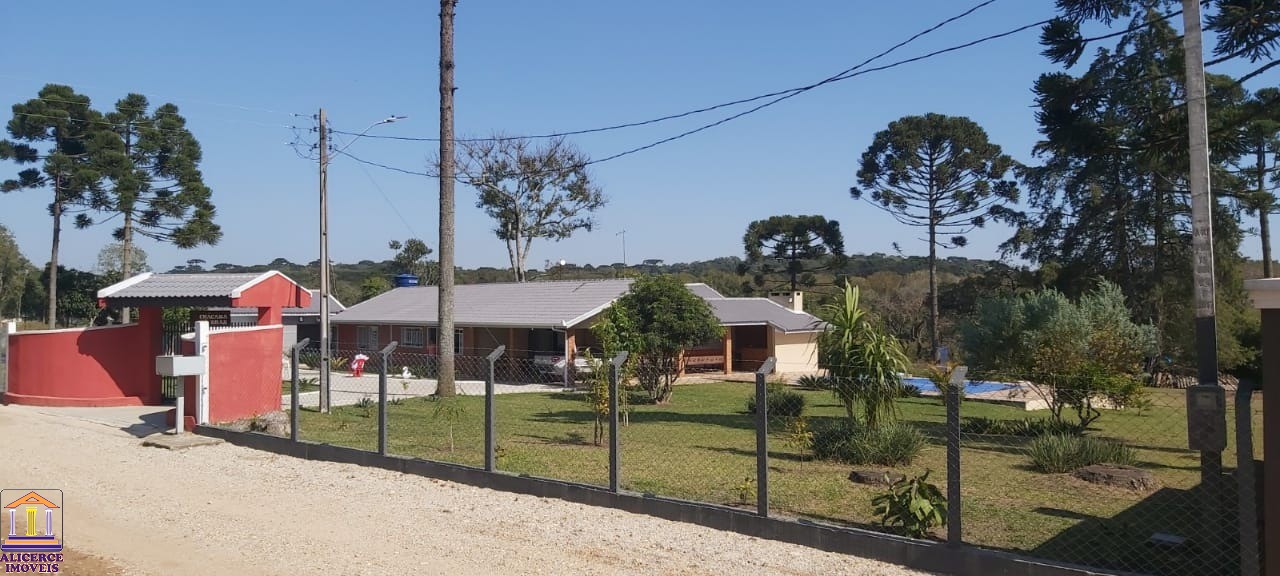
<point x="863" y="362"/>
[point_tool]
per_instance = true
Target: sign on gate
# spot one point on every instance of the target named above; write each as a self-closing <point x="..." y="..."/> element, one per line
<point x="215" y="318"/>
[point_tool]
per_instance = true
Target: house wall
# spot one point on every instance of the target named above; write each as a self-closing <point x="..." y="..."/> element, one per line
<point x="796" y="352"/>
<point x="103" y="366"/>
<point x="476" y="341"/>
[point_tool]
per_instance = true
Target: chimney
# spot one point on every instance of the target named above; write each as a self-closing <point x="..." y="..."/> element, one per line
<point x="793" y="301"/>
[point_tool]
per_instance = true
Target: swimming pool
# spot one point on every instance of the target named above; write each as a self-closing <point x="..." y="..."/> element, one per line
<point x="970" y="386"/>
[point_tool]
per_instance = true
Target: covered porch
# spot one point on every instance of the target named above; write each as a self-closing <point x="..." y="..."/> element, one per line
<point x="743" y="349"/>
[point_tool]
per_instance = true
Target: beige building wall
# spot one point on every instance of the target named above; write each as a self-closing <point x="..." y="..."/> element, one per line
<point x="795" y="352"/>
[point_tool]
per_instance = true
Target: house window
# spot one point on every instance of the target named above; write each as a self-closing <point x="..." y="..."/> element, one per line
<point x="367" y="337"/>
<point x="411" y="336"/>
<point x="457" y="339"/>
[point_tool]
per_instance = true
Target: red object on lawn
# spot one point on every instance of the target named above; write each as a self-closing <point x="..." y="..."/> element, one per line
<point x="357" y="365"/>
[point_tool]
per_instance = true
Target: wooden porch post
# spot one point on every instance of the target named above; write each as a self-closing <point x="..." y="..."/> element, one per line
<point x="728" y="350"/>
<point x="570" y="347"/>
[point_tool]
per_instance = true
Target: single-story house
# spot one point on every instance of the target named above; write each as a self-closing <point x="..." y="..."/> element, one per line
<point x="555" y="317"/>
<point x="299" y="323"/>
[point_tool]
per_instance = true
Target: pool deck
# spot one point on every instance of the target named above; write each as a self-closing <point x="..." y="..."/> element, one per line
<point x="1018" y="395"/>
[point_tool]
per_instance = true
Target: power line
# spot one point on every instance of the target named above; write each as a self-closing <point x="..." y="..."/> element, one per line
<point x="390" y="204"/>
<point x="386" y="167"/>
<point x="790" y="93"/>
<point x="783" y="93"/>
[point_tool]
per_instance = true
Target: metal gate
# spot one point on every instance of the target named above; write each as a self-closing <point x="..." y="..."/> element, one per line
<point x="171" y="343"/>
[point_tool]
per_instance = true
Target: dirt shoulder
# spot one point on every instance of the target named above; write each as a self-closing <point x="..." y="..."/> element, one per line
<point x="230" y="510"/>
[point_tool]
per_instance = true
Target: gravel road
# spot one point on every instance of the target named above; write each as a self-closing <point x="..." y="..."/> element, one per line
<point x="230" y="510"/>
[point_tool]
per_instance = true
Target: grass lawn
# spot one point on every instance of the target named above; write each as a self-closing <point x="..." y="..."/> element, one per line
<point x="701" y="447"/>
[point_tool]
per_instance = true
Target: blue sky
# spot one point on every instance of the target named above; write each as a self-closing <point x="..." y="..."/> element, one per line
<point x="240" y="71"/>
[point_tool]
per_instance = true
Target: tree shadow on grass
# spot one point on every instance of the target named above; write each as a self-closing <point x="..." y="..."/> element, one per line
<point x="789" y="456"/>
<point x="735" y="421"/>
<point x="1121" y="542"/>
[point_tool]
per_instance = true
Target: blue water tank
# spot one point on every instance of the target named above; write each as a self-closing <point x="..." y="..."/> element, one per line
<point x="405" y="280"/>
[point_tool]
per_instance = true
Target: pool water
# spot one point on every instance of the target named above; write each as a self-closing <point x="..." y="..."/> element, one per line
<point x="970" y="386"/>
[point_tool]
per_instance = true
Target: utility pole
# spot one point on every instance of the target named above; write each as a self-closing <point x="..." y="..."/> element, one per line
<point x="623" y="234"/>
<point x="445" y="387"/>
<point x="1202" y="237"/>
<point x="324" y="263"/>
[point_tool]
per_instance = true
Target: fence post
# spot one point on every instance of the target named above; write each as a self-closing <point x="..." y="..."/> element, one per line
<point x="614" y="445"/>
<point x="762" y="437"/>
<point x="1246" y="485"/>
<point x="293" y="388"/>
<point x="384" y="355"/>
<point x="490" y="436"/>
<point x="955" y="532"/>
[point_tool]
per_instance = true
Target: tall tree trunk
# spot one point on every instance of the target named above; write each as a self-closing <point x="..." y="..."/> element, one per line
<point x="933" y="287"/>
<point x="1264" y="212"/>
<point x="446" y="386"/>
<point x="53" y="256"/>
<point x="126" y="257"/>
<point x="793" y="268"/>
<point x="1157" y="262"/>
<point x="511" y="255"/>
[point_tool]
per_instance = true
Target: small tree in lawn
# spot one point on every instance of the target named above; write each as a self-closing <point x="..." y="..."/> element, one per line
<point x="531" y="191"/>
<point x="863" y="361"/>
<point x="664" y="318"/>
<point x="611" y="330"/>
<point x="936" y="172"/>
<point x="598" y="396"/>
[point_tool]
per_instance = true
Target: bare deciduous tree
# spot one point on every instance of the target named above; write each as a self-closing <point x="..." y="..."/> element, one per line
<point x="531" y="190"/>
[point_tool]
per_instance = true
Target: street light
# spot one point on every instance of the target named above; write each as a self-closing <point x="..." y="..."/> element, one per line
<point x="325" y="396"/>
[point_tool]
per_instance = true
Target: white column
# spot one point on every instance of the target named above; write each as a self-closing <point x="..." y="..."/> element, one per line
<point x="202" y="381"/>
<point x="48" y="522"/>
<point x="13" y="522"/>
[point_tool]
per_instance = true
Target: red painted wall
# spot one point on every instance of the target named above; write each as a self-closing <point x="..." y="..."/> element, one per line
<point x="108" y="366"/>
<point x="276" y="291"/>
<point x="244" y="374"/>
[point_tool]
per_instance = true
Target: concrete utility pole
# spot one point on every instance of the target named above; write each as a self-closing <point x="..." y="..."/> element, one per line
<point x="1201" y="214"/>
<point x="623" y="234"/>
<point x="324" y="263"/>
<point x="445" y="337"/>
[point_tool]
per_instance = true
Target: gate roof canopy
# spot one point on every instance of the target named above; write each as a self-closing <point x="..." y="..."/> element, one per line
<point x="269" y="289"/>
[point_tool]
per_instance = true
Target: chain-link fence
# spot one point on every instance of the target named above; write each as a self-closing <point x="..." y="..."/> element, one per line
<point x="1080" y="473"/>
<point x="1098" y="470"/>
<point x="691" y="442"/>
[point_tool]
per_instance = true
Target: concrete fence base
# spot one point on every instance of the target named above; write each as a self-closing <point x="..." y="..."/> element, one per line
<point x="917" y="554"/>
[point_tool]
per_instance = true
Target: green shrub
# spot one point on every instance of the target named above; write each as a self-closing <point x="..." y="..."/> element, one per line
<point x="427" y="369"/>
<point x="910" y="391"/>
<point x="1028" y="427"/>
<point x="889" y="445"/>
<point x="814" y="382"/>
<point x="782" y="402"/>
<point x="915" y="506"/>
<point x="1057" y="453"/>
